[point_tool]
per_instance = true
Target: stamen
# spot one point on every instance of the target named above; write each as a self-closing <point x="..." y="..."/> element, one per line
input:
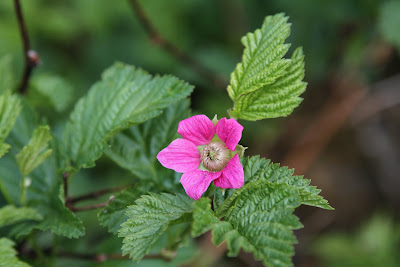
<point x="215" y="156"/>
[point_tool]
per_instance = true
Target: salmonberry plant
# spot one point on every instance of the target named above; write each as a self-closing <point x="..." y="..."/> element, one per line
<point x="144" y="124"/>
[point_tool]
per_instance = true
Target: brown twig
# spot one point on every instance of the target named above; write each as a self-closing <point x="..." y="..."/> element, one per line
<point x="65" y="183"/>
<point x="174" y="51"/>
<point x="31" y="57"/>
<point x="90" y="207"/>
<point x="102" y="257"/>
<point x="96" y="194"/>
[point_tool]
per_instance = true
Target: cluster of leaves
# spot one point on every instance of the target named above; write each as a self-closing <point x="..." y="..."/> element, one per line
<point x="129" y="116"/>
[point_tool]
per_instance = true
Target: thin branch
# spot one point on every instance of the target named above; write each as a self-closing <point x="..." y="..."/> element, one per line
<point x="96" y="194"/>
<point x="90" y="207"/>
<point x="65" y="183"/>
<point x="102" y="257"/>
<point x="174" y="51"/>
<point x="31" y="57"/>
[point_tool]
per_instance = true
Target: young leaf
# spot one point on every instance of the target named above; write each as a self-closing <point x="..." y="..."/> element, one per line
<point x="149" y="218"/>
<point x="264" y="84"/>
<point x="256" y="168"/>
<point x="43" y="192"/>
<point x="125" y="96"/>
<point x="260" y="222"/>
<point x="10" y="214"/>
<point x="8" y="255"/>
<point x="36" y="151"/>
<point x="277" y="99"/>
<point x="10" y="107"/>
<point x="136" y="148"/>
<point x="7" y="80"/>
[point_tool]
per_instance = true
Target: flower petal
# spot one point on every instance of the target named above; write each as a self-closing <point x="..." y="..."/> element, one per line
<point x="181" y="156"/>
<point x="199" y="129"/>
<point x="232" y="175"/>
<point x="197" y="182"/>
<point x="230" y="132"/>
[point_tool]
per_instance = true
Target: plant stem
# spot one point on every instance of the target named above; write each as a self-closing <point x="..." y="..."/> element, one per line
<point x="31" y="57"/>
<point x="96" y="194"/>
<point x="173" y="50"/>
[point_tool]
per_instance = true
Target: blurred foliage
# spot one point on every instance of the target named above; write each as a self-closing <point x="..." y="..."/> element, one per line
<point x="78" y="39"/>
<point x="376" y="243"/>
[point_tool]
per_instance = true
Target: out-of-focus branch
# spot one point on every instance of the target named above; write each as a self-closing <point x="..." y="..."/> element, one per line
<point x="329" y="120"/>
<point x="96" y="194"/>
<point x="31" y="57"/>
<point x="173" y="50"/>
<point x="90" y="207"/>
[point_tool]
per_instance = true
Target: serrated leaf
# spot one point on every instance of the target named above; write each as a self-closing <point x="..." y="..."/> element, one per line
<point x="10" y="107"/>
<point x="256" y="168"/>
<point x="260" y="222"/>
<point x="51" y="89"/>
<point x="149" y="218"/>
<point x="136" y="148"/>
<point x="114" y="214"/>
<point x="125" y="96"/>
<point x="44" y="190"/>
<point x="264" y="84"/>
<point x="7" y="80"/>
<point x="36" y="151"/>
<point x="10" y="214"/>
<point x="8" y="255"/>
<point x="277" y="99"/>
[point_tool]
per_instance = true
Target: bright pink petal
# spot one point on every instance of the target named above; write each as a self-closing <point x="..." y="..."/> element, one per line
<point x="232" y="175"/>
<point x="197" y="182"/>
<point x="230" y="132"/>
<point x="199" y="129"/>
<point x="181" y="156"/>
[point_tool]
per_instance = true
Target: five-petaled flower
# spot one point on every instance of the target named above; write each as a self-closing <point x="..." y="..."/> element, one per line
<point x="209" y="151"/>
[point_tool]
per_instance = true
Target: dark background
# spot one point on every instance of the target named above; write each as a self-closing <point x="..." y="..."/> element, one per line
<point x="345" y="136"/>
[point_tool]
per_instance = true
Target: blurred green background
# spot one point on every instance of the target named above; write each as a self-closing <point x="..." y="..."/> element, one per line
<point x="345" y="136"/>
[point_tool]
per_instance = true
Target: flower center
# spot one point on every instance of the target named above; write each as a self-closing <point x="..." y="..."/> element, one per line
<point x="215" y="156"/>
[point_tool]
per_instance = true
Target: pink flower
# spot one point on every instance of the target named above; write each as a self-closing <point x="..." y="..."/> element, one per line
<point x="208" y="152"/>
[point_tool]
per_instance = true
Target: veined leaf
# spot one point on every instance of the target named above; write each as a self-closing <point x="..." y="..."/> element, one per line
<point x="114" y="214"/>
<point x="277" y="99"/>
<point x="264" y="84"/>
<point x="125" y="96"/>
<point x="260" y="222"/>
<point x="256" y="168"/>
<point x="10" y="107"/>
<point x="43" y="192"/>
<point x="136" y="148"/>
<point x="149" y="218"/>
<point x="36" y="151"/>
<point x="7" y="80"/>
<point x="10" y="214"/>
<point x="8" y="255"/>
<point x="52" y="89"/>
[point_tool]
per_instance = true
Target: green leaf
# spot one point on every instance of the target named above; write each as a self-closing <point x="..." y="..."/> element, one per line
<point x="136" y="148"/>
<point x="51" y="89"/>
<point x="264" y="84"/>
<point x="43" y="191"/>
<point x="260" y="222"/>
<point x="10" y="107"/>
<point x="256" y="168"/>
<point x="36" y="151"/>
<point x="4" y="149"/>
<point x="125" y="96"/>
<point x="10" y="214"/>
<point x="389" y="20"/>
<point x="149" y="218"/>
<point x="114" y="214"/>
<point x="7" y="80"/>
<point x="277" y="99"/>
<point x="8" y="255"/>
